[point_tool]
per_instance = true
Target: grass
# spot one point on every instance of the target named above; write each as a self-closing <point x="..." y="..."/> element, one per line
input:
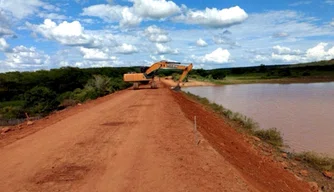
<point x="318" y="161"/>
<point x="258" y="77"/>
<point x="17" y="103"/>
<point x="205" y="79"/>
<point x="271" y="136"/>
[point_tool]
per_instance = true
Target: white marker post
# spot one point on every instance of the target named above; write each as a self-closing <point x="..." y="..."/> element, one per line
<point x="195" y="131"/>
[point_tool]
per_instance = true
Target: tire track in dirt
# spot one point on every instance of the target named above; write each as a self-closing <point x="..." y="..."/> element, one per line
<point x="86" y="158"/>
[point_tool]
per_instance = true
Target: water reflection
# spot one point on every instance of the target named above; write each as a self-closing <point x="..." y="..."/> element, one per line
<point x="302" y="112"/>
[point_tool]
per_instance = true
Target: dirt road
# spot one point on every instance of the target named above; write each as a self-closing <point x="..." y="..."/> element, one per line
<point x="129" y="141"/>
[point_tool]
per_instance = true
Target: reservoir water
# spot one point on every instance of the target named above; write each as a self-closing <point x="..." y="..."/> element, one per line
<point x="304" y="113"/>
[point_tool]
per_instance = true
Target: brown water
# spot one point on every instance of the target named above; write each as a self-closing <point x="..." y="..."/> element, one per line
<point x="304" y="113"/>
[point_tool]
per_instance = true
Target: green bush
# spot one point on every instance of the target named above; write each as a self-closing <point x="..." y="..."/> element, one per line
<point x="175" y="76"/>
<point x="67" y="103"/>
<point x="285" y="72"/>
<point x="64" y="96"/>
<point x="118" y="84"/>
<point x="101" y="84"/>
<point x="40" y="100"/>
<point x="320" y="162"/>
<point x="218" y="74"/>
<point x="11" y="112"/>
<point x="272" y="136"/>
<point x="14" y="103"/>
<point x="306" y="73"/>
<point x="85" y="94"/>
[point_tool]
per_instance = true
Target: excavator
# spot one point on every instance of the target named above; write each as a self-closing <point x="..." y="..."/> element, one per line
<point x="148" y="73"/>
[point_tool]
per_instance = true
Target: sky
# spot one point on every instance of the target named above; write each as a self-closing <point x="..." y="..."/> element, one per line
<point x="37" y="34"/>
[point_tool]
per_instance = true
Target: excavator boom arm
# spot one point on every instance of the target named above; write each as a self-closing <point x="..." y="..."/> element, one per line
<point x="185" y="72"/>
<point x="165" y="65"/>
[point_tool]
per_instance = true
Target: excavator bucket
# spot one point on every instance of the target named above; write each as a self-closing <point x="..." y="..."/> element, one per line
<point x="177" y="88"/>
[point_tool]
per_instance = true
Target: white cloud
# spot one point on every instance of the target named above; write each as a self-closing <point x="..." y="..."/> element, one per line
<point x="280" y="35"/>
<point x="84" y="58"/>
<point x="287" y="58"/>
<point x="298" y="3"/>
<point x="105" y="11"/>
<point x="132" y="16"/>
<point x="3" y="45"/>
<point x="114" y="13"/>
<point x="22" y="8"/>
<point x="259" y="58"/>
<point x="127" y="49"/>
<point x="113" y="62"/>
<point x="52" y="16"/>
<point x="331" y="2"/>
<point x="90" y="63"/>
<point x="201" y="43"/>
<point x="319" y="53"/>
<point x="225" y="40"/>
<point x="332" y="23"/>
<point x="285" y="50"/>
<point x="218" y="56"/>
<point x="295" y="24"/>
<point x="5" y="31"/>
<point x="214" y="17"/>
<point x="71" y="34"/>
<point x="94" y="54"/>
<point x="129" y="18"/>
<point x="5" y="24"/>
<point x="159" y="38"/>
<point x="155" y="9"/>
<point x="288" y="55"/>
<point x="164" y="49"/>
<point x="50" y="7"/>
<point x="156" y="34"/>
<point x="65" y="33"/>
<point x="22" y="58"/>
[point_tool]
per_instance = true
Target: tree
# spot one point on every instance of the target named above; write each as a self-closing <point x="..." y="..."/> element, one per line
<point x="218" y="74"/>
<point x="262" y="68"/>
<point x="40" y="100"/>
<point x="101" y="84"/>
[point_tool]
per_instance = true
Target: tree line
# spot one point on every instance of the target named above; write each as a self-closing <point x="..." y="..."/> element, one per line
<point x="40" y="92"/>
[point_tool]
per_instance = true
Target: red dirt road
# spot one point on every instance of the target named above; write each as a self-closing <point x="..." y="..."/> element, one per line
<point x="129" y="141"/>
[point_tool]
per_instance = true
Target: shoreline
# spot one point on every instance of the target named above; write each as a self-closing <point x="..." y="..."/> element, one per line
<point x="305" y="165"/>
<point x="279" y="80"/>
<point x="207" y="82"/>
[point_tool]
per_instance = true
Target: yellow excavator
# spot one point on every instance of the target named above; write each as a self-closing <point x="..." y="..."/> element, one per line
<point x="147" y="74"/>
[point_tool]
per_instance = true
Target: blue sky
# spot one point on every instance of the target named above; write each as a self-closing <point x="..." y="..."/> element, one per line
<point x="36" y="34"/>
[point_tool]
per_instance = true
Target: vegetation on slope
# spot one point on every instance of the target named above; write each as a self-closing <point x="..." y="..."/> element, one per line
<point x="41" y="92"/>
<point x="271" y="136"/>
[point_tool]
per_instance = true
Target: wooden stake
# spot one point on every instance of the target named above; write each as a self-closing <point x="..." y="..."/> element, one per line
<point x="195" y="131"/>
